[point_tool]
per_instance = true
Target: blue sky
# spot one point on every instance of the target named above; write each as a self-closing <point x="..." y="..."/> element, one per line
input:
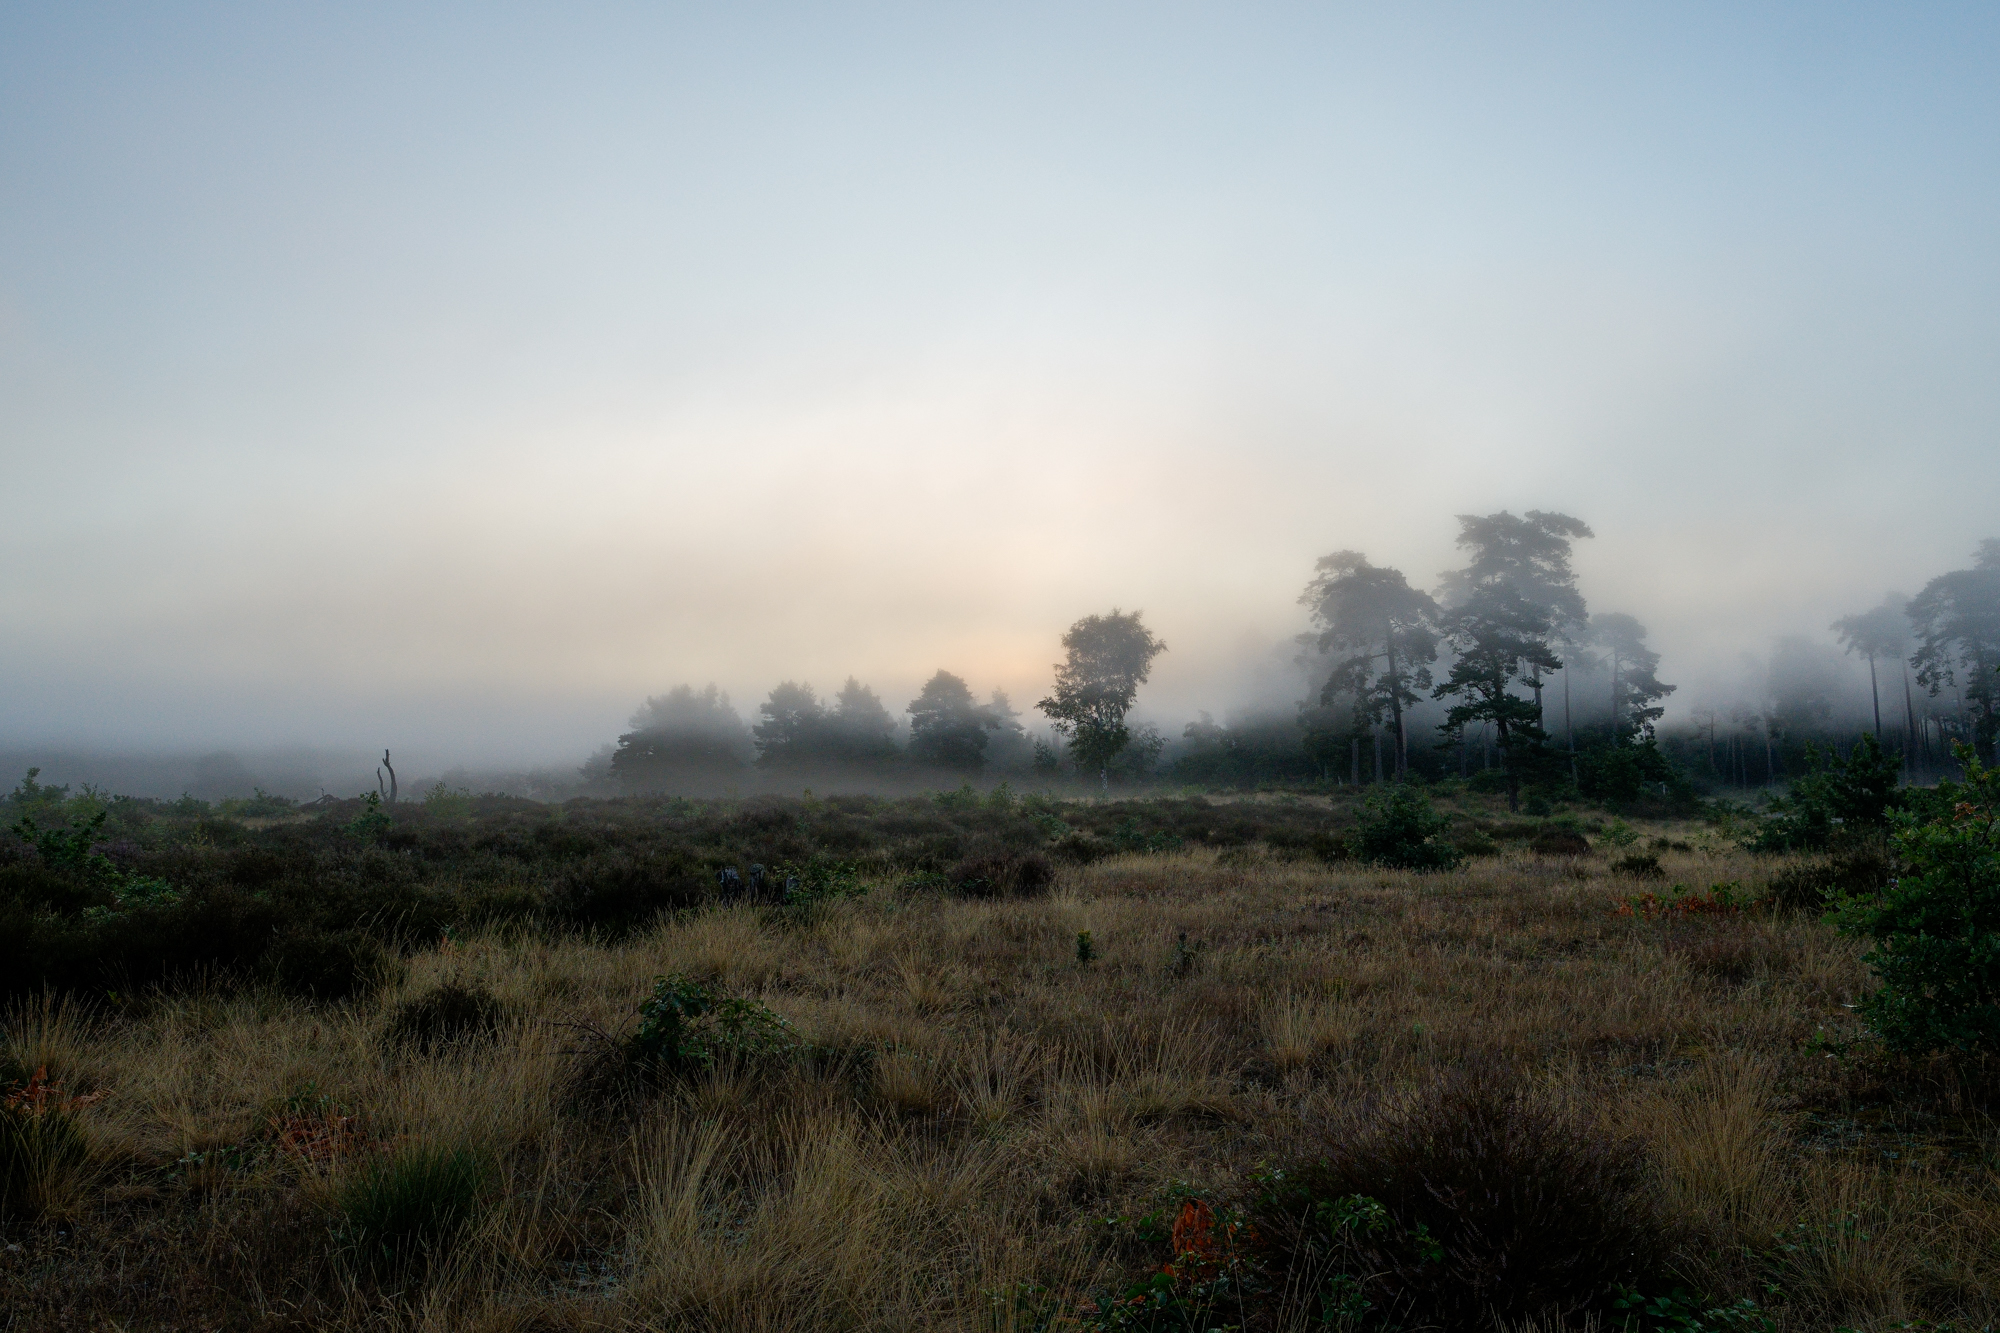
<point x="465" y="375"/>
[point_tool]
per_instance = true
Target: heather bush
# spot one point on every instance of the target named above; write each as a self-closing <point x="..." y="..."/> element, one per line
<point x="1002" y="875"/>
<point x="1472" y="1208"/>
<point x="448" y="1014"/>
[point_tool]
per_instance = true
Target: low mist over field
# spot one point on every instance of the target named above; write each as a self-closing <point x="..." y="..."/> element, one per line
<point x="467" y="384"/>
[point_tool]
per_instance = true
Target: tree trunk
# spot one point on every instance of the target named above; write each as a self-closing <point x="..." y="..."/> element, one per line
<point x="1354" y="760"/>
<point x="1569" y="731"/>
<point x="1910" y="739"/>
<point x="1395" y="698"/>
<point x="1378" y="755"/>
<point x="1875" y="694"/>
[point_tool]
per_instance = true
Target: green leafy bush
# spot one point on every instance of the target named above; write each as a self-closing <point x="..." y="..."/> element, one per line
<point x="1399" y="827"/>
<point x="1850" y="795"/>
<point x="687" y="1025"/>
<point x="407" y="1207"/>
<point x="1937" y="928"/>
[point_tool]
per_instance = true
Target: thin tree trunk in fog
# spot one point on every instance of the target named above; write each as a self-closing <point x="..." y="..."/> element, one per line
<point x="1770" y="764"/>
<point x="1354" y="760"/>
<point x="1876" y="694"/>
<point x="1378" y="756"/>
<point x="1910" y="739"/>
<point x="1569" y="730"/>
<point x="1395" y="695"/>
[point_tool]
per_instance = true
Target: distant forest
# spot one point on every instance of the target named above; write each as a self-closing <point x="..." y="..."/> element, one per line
<point x="1501" y="676"/>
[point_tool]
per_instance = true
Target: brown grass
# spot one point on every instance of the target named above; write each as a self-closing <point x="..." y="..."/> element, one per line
<point x="979" y="1100"/>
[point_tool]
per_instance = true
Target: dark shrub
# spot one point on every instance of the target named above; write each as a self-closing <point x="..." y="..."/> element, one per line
<point x="687" y="1025"/>
<point x="1080" y="849"/>
<point x="329" y="965"/>
<point x="1471" y="1209"/>
<point x="1400" y="828"/>
<point x="406" y="1208"/>
<point x="1472" y="842"/>
<point x="1811" y="886"/>
<point x="620" y="891"/>
<point x="1560" y="842"/>
<point x="255" y="866"/>
<point x="1002" y="875"/>
<point x="446" y="1015"/>
<point x="1641" y="865"/>
<point x="1324" y="844"/>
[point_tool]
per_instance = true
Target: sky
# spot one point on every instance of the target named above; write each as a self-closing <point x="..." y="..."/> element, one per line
<point x="453" y="376"/>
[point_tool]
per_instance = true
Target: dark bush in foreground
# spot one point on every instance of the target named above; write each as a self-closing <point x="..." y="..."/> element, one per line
<point x="1471" y="1209"/>
<point x="446" y="1015"/>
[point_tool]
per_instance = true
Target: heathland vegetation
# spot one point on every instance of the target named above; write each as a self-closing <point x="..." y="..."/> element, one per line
<point x="977" y="1060"/>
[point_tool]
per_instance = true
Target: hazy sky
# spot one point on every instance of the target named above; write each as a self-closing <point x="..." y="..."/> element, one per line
<point x="454" y="376"/>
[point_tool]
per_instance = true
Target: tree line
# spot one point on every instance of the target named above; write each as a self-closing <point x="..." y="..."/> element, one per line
<point x="687" y="737"/>
<point x="1502" y="674"/>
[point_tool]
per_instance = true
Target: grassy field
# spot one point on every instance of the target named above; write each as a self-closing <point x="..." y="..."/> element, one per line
<point x="980" y="1128"/>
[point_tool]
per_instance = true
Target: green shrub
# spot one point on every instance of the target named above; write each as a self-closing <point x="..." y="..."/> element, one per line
<point x="1852" y="795"/>
<point x="1937" y="927"/>
<point x="687" y="1025"/>
<point x="1399" y="827"/>
<point x="408" y="1206"/>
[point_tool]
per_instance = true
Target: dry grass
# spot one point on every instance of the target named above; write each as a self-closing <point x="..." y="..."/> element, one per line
<point x="979" y="1099"/>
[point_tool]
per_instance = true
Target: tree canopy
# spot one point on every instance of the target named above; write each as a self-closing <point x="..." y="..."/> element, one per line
<point x="947" y="728"/>
<point x="1635" y="683"/>
<point x="678" y="736"/>
<point x="1957" y="622"/>
<point x="1109" y="658"/>
<point x="1383" y="634"/>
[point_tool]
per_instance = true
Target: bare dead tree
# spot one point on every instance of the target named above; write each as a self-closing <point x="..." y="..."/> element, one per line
<point x="390" y="794"/>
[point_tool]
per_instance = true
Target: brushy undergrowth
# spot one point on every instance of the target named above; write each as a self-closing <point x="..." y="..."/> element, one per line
<point x="1470" y="1208"/>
